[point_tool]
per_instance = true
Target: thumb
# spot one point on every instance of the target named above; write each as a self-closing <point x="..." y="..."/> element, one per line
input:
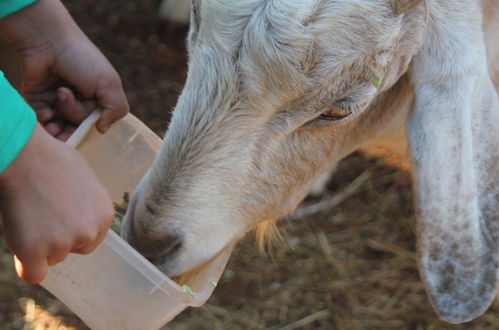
<point x="113" y="103"/>
<point x="32" y="271"/>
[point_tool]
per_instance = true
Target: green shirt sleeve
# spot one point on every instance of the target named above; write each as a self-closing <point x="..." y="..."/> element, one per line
<point x="17" y="122"/>
<point x="8" y="7"/>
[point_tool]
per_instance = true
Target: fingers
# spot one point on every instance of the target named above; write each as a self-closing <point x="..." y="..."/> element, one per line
<point x="106" y="219"/>
<point x="113" y="103"/>
<point x="59" y="129"/>
<point x="44" y="115"/>
<point x="57" y="256"/>
<point x="54" y="127"/>
<point x="61" y="112"/>
<point x="32" y="263"/>
<point x="71" y="109"/>
<point x="66" y="132"/>
<point x="33" y="269"/>
<point x="89" y="247"/>
<point x="88" y="244"/>
<point x="56" y="110"/>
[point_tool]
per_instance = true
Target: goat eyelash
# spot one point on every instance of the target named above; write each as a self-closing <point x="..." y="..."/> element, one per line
<point x="346" y="107"/>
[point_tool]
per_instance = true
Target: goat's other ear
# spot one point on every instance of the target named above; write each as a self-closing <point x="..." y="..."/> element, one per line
<point x="402" y="6"/>
<point x="408" y="44"/>
<point x="454" y="136"/>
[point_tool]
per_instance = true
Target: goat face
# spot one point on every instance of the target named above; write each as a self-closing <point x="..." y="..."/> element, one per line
<point x="277" y="92"/>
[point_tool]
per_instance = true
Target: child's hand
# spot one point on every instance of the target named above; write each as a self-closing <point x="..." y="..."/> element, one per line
<point x="52" y="204"/>
<point x="59" y="61"/>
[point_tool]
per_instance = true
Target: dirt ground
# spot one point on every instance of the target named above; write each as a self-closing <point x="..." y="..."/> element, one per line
<point x="351" y="266"/>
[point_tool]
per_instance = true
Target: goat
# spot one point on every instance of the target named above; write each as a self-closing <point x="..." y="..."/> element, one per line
<point x="278" y="91"/>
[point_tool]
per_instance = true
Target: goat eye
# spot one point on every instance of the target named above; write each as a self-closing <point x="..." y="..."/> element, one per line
<point x="335" y="113"/>
<point x="340" y="110"/>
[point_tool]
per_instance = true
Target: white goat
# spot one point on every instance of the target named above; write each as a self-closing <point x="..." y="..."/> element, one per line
<point x="278" y="91"/>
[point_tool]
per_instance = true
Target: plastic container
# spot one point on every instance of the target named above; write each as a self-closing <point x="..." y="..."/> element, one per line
<point x="115" y="288"/>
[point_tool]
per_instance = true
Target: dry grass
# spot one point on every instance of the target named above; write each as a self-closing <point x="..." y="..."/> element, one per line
<point x="348" y="265"/>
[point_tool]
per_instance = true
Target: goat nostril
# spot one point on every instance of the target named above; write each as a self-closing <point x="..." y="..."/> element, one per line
<point x="175" y="248"/>
<point x="155" y="248"/>
<point x="162" y="247"/>
<point x="164" y="253"/>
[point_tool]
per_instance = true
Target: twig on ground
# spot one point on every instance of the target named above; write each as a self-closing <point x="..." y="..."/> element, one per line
<point x="230" y="316"/>
<point x="307" y="320"/>
<point x="330" y="203"/>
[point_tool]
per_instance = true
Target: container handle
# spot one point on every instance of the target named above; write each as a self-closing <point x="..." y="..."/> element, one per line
<point x="82" y="130"/>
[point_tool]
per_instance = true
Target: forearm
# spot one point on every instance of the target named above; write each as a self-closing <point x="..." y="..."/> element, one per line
<point x="8" y="7"/>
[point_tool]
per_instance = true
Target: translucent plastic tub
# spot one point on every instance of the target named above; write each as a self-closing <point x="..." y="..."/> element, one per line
<point x="114" y="287"/>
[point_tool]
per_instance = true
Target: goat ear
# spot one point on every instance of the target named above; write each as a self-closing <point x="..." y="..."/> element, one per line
<point x="402" y="6"/>
<point x="454" y="136"/>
